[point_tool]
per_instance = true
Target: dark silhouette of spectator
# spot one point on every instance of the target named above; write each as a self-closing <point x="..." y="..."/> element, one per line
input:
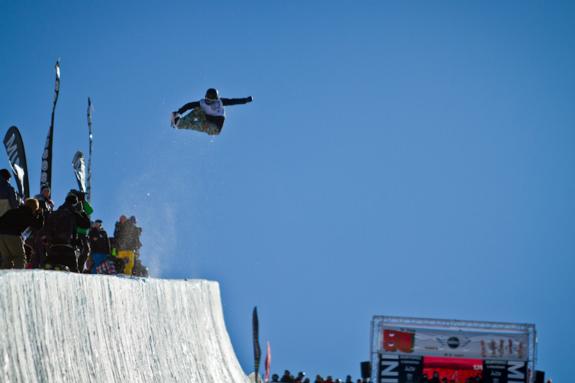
<point x="12" y="225"/>
<point x="36" y="240"/>
<point x="435" y="377"/>
<point x="83" y="243"/>
<point x="302" y="378"/>
<point x="9" y="199"/>
<point x="137" y="233"/>
<point x="127" y="241"/>
<point x="286" y="377"/>
<point x="99" y="241"/>
<point x="61" y="234"/>
<point x="100" y="261"/>
<point x="45" y="199"/>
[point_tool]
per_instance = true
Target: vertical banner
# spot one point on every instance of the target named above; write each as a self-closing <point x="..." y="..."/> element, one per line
<point x="268" y="363"/>
<point x="46" y="169"/>
<point x="17" y="157"/>
<point x="256" y="341"/>
<point x="89" y="176"/>
<point x="80" y="170"/>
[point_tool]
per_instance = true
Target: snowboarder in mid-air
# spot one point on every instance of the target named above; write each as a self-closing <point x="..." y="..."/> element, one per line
<point x="207" y="115"/>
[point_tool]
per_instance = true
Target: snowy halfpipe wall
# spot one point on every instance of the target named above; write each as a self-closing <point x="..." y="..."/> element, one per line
<point x="63" y="327"/>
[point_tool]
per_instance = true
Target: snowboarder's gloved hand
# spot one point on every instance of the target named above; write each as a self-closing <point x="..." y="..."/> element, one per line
<point x="250" y="99"/>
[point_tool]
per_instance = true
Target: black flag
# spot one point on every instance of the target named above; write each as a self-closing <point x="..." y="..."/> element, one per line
<point x="80" y="170"/>
<point x="17" y="157"/>
<point x="46" y="170"/>
<point x="89" y="176"/>
<point x="256" y="336"/>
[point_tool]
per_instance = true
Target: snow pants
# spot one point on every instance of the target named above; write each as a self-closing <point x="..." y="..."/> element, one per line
<point x="198" y="120"/>
<point x="12" y="252"/>
<point x="130" y="256"/>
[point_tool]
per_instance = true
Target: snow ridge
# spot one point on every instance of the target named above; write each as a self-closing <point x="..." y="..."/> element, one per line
<point x="64" y="327"/>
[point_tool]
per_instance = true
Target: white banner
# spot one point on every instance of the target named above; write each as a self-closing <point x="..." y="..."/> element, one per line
<point x="457" y="344"/>
<point x="503" y="351"/>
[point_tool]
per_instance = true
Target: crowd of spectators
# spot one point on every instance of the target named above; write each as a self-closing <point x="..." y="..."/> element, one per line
<point x="301" y="377"/>
<point x="435" y="378"/>
<point x="35" y="235"/>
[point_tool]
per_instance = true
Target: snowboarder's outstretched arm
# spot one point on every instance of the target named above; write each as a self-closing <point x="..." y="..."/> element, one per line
<point x="225" y="102"/>
<point x="236" y="101"/>
<point x="188" y="106"/>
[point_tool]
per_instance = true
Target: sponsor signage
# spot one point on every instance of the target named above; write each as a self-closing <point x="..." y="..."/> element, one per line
<point x="498" y="371"/>
<point x="400" y="346"/>
<point x="460" y="344"/>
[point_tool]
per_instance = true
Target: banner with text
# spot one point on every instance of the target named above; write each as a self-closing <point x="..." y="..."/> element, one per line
<point x="453" y="338"/>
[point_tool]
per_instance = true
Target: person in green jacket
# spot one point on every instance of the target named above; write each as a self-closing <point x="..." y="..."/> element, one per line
<point x="82" y="233"/>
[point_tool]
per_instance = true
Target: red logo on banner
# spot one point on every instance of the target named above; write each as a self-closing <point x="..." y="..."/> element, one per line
<point x="394" y="340"/>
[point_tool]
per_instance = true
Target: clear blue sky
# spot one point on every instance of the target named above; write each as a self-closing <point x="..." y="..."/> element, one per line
<point x="404" y="158"/>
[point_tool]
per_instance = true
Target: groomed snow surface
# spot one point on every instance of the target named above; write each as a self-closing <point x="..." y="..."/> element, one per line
<point x="64" y="327"/>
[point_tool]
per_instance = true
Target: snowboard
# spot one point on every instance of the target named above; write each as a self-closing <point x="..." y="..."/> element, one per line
<point x="196" y="120"/>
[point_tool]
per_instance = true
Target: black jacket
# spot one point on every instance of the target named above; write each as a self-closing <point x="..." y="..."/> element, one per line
<point x="99" y="241"/>
<point x="62" y="224"/>
<point x="7" y="192"/>
<point x="46" y="204"/>
<point x="15" y="221"/>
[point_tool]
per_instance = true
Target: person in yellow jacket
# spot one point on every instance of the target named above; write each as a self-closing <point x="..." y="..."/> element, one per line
<point x="127" y="241"/>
